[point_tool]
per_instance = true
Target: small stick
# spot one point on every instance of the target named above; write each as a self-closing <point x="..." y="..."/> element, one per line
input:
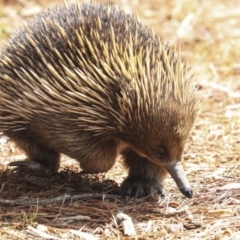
<point x="126" y="221"/>
<point x="40" y="233"/>
<point x="56" y="200"/>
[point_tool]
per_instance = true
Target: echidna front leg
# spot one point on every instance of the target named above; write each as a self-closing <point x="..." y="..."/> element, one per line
<point x="41" y="160"/>
<point x="144" y="178"/>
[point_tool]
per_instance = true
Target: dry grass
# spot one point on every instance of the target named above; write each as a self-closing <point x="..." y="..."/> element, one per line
<point x="209" y="34"/>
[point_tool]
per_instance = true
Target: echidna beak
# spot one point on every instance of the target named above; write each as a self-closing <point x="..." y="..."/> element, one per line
<point x="177" y="173"/>
<point x="187" y="192"/>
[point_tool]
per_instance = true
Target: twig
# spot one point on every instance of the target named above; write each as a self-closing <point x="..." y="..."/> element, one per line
<point x="41" y="234"/>
<point x="78" y="217"/>
<point x="126" y="221"/>
<point x="55" y="200"/>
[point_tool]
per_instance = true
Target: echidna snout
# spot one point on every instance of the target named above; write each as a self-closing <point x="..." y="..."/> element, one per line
<point x="177" y="173"/>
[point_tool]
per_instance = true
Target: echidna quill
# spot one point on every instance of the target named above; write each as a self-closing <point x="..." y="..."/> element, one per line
<point x="91" y="82"/>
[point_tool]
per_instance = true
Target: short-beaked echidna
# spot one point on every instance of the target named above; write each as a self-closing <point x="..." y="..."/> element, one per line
<point x="91" y="82"/>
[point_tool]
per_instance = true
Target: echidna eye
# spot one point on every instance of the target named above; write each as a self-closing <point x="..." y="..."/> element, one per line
<point x="161" y="152"/>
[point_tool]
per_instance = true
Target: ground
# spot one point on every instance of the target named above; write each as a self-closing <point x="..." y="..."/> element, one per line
<point x="70" y="206"/>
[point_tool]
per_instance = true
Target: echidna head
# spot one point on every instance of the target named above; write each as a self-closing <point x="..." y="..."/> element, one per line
<point x="161" y="135"/>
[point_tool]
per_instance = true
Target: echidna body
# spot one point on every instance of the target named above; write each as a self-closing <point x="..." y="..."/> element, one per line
<point x="90" y="81"/>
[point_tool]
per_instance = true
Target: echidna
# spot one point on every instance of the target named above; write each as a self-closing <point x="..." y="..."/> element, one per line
<point x="91" y="82"/>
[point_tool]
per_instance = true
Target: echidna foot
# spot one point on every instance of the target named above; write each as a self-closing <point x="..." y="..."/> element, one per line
<point x="137" y="186"/>
<point x="32" y="167"/>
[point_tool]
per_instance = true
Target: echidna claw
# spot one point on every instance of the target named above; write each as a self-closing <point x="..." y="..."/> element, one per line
<point x="140" y="188"/>
<point x="33" y="167"/>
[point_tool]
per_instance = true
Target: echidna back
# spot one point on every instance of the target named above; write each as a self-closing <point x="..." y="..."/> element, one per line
<point x="49" y="67"/>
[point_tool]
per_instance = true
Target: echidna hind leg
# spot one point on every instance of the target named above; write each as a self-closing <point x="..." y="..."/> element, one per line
<point x="144" y="177"/>
<point x="41" y="161"/>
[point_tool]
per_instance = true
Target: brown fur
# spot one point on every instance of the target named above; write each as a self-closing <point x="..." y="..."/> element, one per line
<point x="90" y="81"/>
